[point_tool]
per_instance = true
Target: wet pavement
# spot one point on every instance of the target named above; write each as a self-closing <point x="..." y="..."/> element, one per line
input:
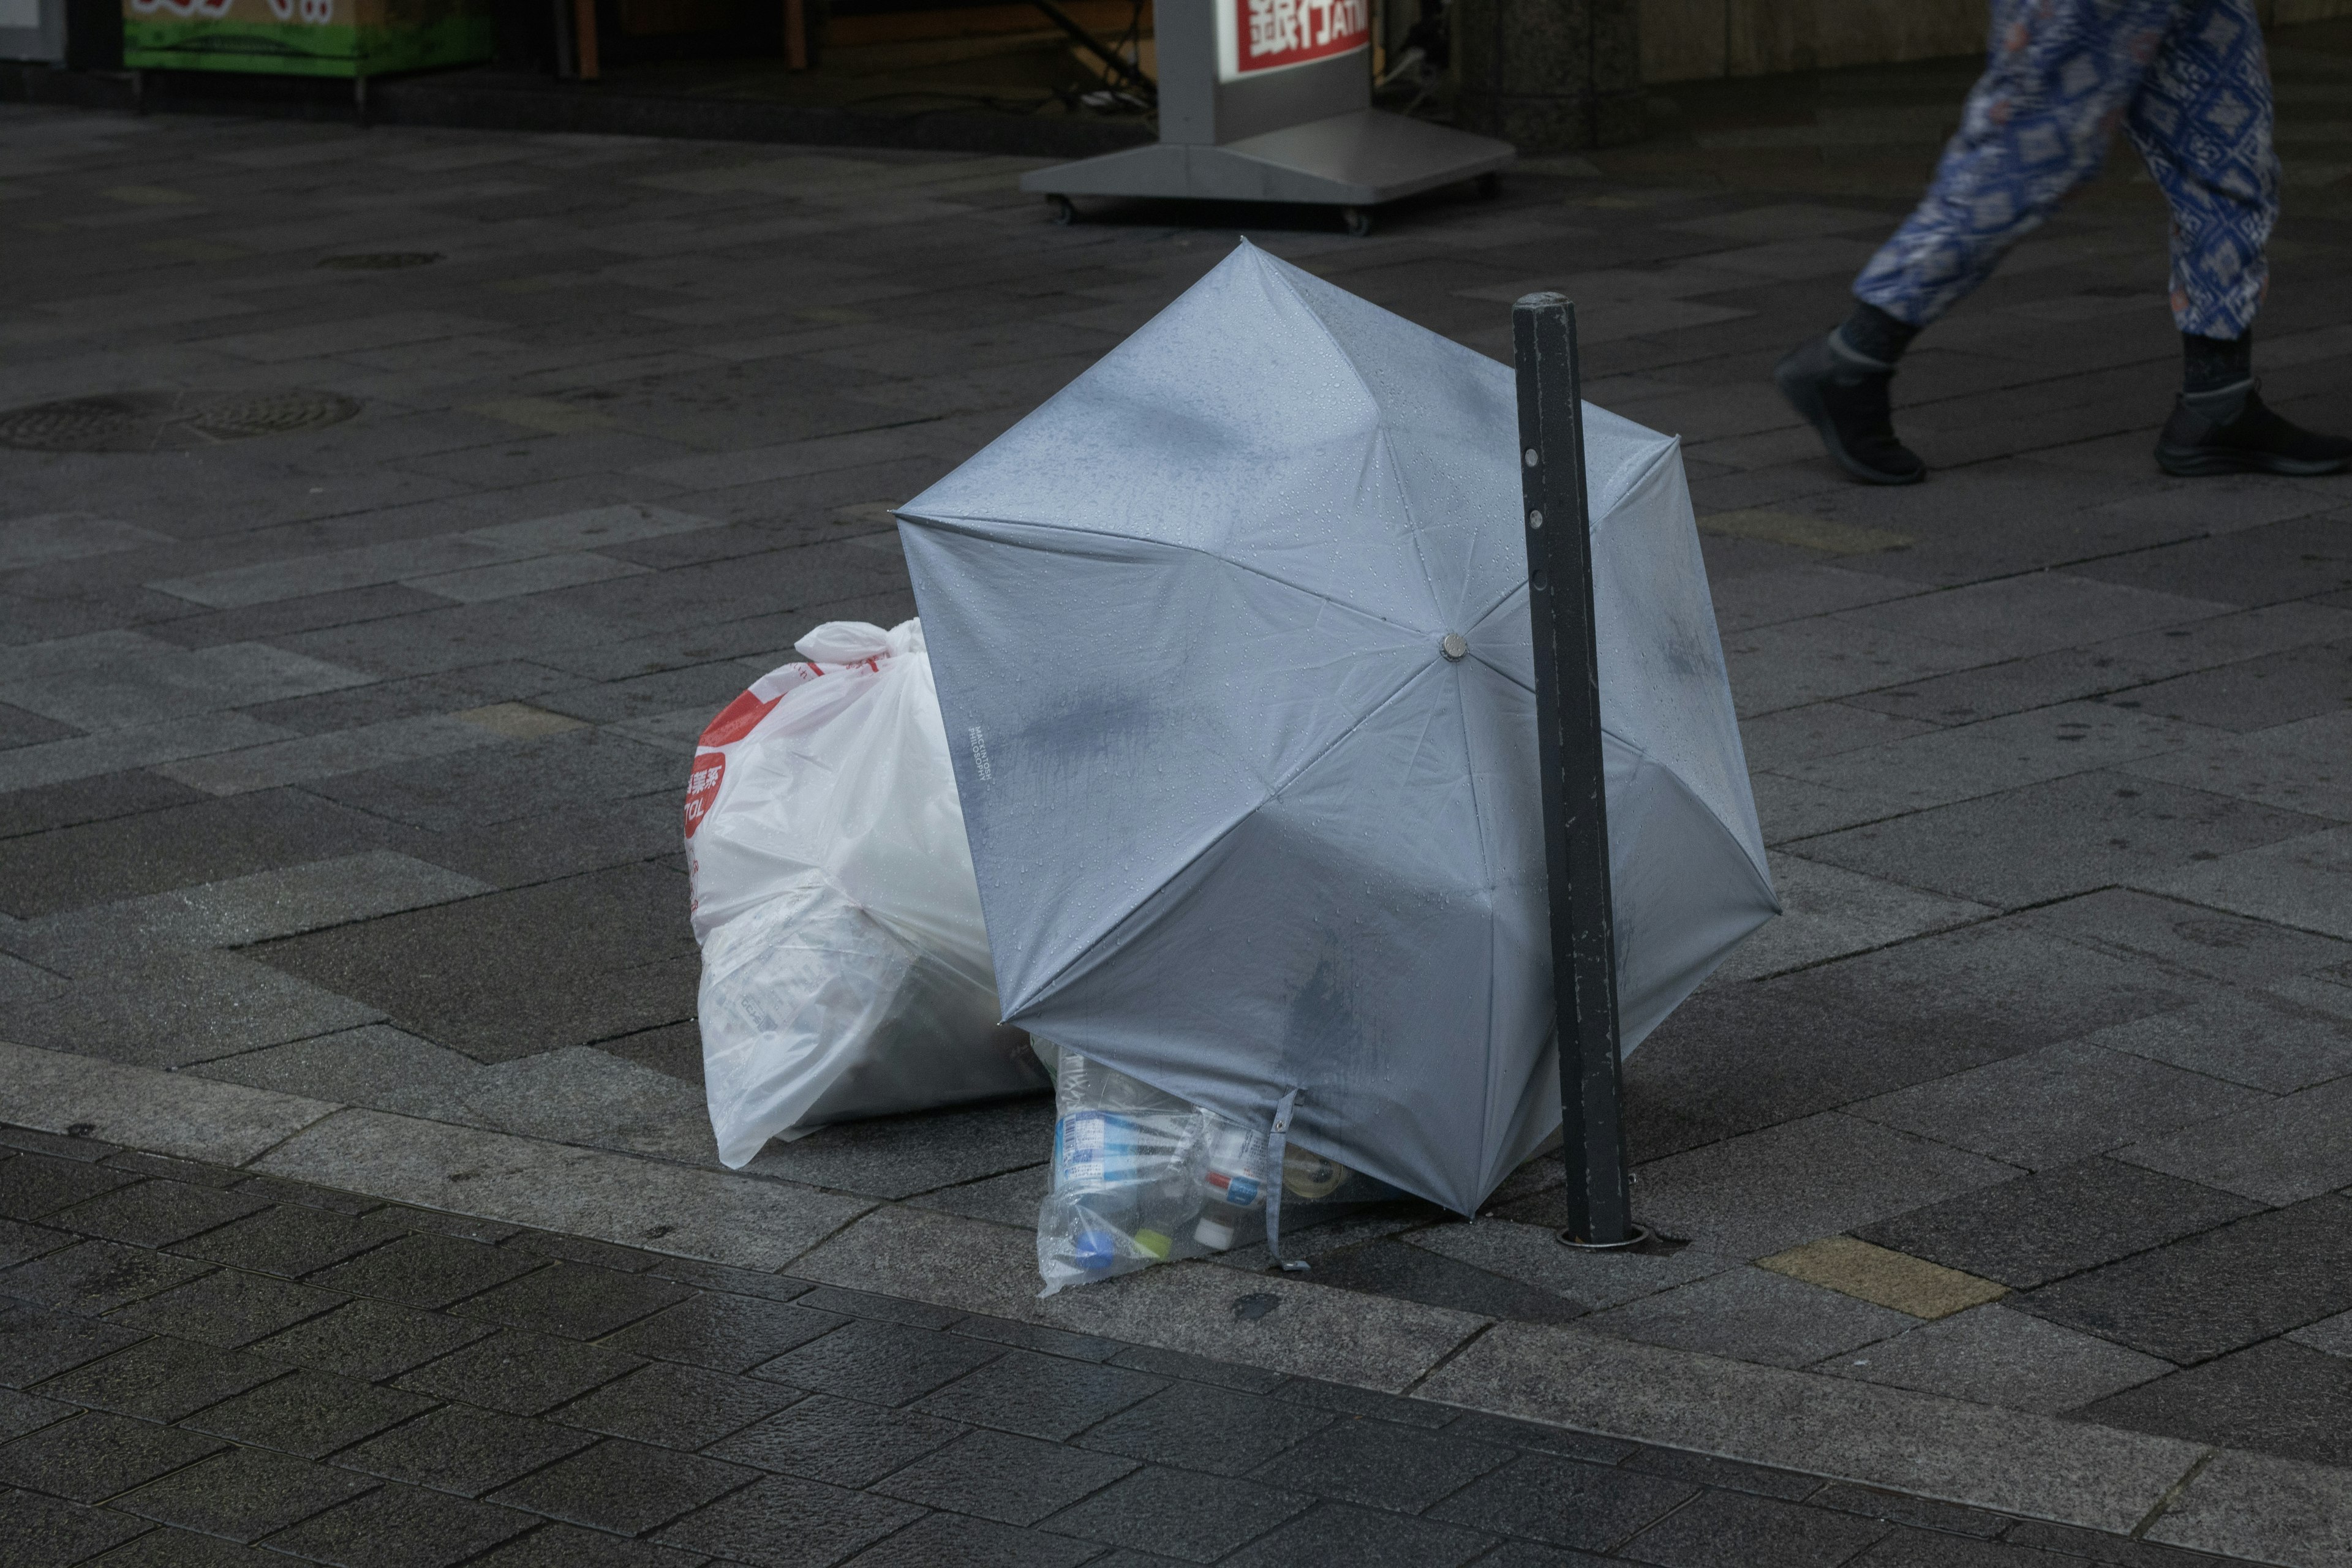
<point x="344" y="714"/>
<point x="212" y="1368"/>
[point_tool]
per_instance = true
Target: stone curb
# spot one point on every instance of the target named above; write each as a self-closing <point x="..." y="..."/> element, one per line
<point x="2224" y="1502"/>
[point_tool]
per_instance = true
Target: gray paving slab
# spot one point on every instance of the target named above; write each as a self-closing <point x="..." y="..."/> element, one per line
<point x="2187" y="936"/>
<point x="2016" y="617"/>
<point x="513" y="579"/>
<point x="1793" y="592"/>
<point x="1390" y="1268"/>
<point x="1738" y="1058"/>
<point x="515" y="973"/>
<point x="2328" y="994"/>
<point x="2044" y="1227"/>
<point x="2027" y="1464"/>
<point x="246" y="910"/>
<point x="375" y="1066"/>
<point x="2048" y="840"/>
<point x="2298" y="766"/>
<point x="2265" y="566"/>
<point x="1993" y="989"/>
<point x="1795" y="735"/>
<point x="1011" y="1199"/>
<point x="176" y="843"/>
<point x="2241" y="1039"/>
<point x="940" y="1258"/>
<point x="1593" y="1280"/>
<point x="307" y="759"/>
<point x="2333" y="1335"/>
<point x="1769" y="1190"/>
<point x="175" y="1008"/>
<point x="345" y="336"/>
<point x="1789" y="809"/>
<point x="2217" y="1291"/>
<point x="87" y="756"/>
<point x="2257" y="693"/>
<point x="2294" y="1147"/>
<point x="1753" y="1315"/>
<point x="46" y="537"/>
<point x="2299" y="882"/>
<point x="587" y="1096"/>
<point x="1941" y="766"/>
<point x="125" y="680"/>
<point x="2060" y="1104"/>
<point x="2277" y="1397"/>
<point x="692" y="1214"/>
<point x="1827" y="912"/>
<point x="1801" y="662"/>
<point x="1991" y="1355"/>
<point x="485" y="788"/>
<point x="919" y="1154"/>
<point x="2261" y="1506"/>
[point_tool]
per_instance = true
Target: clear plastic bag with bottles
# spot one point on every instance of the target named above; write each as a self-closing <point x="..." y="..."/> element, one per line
<point x="1141" y="1177"/>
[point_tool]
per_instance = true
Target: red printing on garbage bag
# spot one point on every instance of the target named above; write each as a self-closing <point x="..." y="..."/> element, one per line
<point x="702" y="784"/>
<point x="740" y="718"/>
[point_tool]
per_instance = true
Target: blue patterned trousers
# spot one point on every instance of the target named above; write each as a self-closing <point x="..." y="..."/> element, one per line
<point x="2186" y="79"/>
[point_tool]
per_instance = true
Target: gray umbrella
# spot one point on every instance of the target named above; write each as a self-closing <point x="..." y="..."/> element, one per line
<point x="1231" y="638"/>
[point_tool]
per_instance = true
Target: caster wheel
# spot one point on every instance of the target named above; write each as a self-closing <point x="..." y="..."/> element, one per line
<point x="1359" y="221"/>
<point x="1489" y="187"/>
<point x="1064" y="214"/>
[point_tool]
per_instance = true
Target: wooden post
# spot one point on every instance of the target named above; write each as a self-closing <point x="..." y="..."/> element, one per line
<point x="795" y="35"/>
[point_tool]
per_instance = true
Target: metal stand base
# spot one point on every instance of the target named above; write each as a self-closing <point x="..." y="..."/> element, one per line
<point x="1355" y="159"/>
<point x="1641" y="1234"/>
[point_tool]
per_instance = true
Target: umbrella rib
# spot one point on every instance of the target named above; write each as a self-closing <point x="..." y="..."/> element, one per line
<point x="1080" y="962"/>
<point x="972" y="525"/>
<point x="1486" y="853"/>
<point x="1673" y="448"/>
<point x="1380" y="428"/>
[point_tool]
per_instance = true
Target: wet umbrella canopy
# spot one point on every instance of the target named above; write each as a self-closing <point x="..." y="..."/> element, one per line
<point x="1231" y="637"/>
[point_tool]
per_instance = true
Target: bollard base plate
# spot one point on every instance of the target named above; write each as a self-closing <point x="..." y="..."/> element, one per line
<point x="1641" y="1234"/>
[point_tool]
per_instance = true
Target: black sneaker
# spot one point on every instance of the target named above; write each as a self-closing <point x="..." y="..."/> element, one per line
<point x="1844" y="396"/>
<point x="2243" y="435"/>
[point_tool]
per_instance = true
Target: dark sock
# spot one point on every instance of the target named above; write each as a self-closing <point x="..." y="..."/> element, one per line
<point x="1872" y="334"/>
<point x="2215" y="364"/>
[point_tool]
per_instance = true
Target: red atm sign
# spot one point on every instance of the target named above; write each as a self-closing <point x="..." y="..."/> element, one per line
<point x="1268" y="34"/>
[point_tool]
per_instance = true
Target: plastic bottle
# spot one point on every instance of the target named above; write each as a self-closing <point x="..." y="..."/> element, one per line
<point x="1096" y="1174"/>
<point x="1234" y="1178"/>
<point x="1171" y="1200"/>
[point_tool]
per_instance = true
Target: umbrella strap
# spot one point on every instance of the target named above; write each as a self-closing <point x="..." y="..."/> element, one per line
<point x="1278" y="1144"/>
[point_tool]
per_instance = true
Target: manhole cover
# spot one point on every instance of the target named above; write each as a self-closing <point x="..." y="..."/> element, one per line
<point x="382" y="260"/>
<point x="167" y="421"/>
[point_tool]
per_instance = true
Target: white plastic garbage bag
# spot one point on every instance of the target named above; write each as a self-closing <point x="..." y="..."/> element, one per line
<point x="845" y="967"/>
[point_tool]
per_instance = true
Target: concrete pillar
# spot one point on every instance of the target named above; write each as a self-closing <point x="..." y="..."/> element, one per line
<point x="1549" y="76"/>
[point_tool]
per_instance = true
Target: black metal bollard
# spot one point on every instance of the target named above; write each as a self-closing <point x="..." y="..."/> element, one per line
<point x="1575" y="800"/>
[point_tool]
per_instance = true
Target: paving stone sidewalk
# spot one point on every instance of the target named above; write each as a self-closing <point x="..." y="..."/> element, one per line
<point x="212" y="1368"/>
<point x="345" y="762"/>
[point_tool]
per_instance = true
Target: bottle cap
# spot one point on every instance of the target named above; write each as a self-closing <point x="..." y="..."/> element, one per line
<point x="1213" y="1234"/>
<point x="1152" y="1243"/>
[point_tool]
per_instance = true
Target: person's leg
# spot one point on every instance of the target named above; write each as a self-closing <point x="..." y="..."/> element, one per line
<point x="2058" y="77"/>
<point x="2202" y="120"/>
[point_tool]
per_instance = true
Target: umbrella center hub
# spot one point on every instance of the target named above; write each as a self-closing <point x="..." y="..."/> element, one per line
<point x="1455" y="647"/>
